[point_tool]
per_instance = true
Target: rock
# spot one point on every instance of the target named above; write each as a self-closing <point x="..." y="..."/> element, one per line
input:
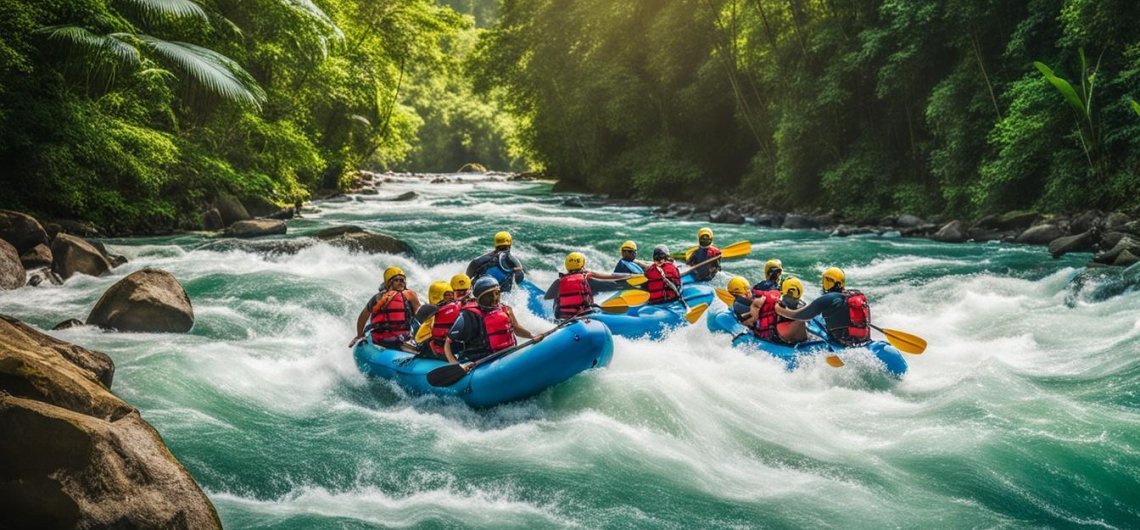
<point x="148" y="300"/>
<point x="76" y="456"/>
<point x="21" y="231"/>
<point x="114" y="259"/>
<point x="329" y="233"/>
<point x="406" y="196"/>
<point x="889" y="220"/>
<point x="799" y="222"/>
<point x="848" y="230"/>
<point x="212" y="220"/>
<point x="259" y="206"/>
<point x="1131" y="228"/>
<point x="1014" y="221"/>
<point x="1085" y="221"/>
<point x="371" y="243"/>
<point x="1082" y="242"/>
<point x="230" y="208"/>
<point x="1110" y="239"/>
<point x="726" y="215"/>
<point x="285" y="213"/>
<point x="39" y="256"/>
<point x="472" y="167"/>
<point x="768" y="220"/>
<point x="1040" y="235"/>
<point x="68" y="226"/>
<point x="988" y="234"/>
<point x="366" y="191"/>
<point x="919" y="231"/>
<point x="1126" y="243"/>
<point x="68" y="324"/>
<point x="909" y="221"/>
<point x="39" y="275"/>
<point x="256" y="228"/>
<point x="1126" y="259"/>
<point x="573" y="202"/>
<point x="12" y="272"/>
<point x="952" y="232"/>
<point x="72" y="255"/>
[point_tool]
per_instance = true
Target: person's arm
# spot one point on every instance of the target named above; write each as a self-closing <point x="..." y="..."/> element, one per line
<point x="608" y="276"/>
<point x="413" y="300"/>
<point x="519" y="330"/>
<point x="812" y="310"/>
<point x="360" y="322"/>
<point x="447" y="352"/>
<point x="456" y="333"/>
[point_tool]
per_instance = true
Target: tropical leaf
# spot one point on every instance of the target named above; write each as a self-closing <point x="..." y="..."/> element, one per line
<point x="308" y="9"/>
<point x="93" y="47"/>
<point x="155" y="10"/>
<point x="1135" y="106"/>
<point x="210" y="70"/>
<point x="1063" y="87"/>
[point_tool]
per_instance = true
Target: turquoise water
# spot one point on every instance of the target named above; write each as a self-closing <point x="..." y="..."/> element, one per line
<point x="1022" y="412"/>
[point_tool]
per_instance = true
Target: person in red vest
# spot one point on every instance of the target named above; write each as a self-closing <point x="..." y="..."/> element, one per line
<point x="441" y="308"/>
<point x="483" y="327"/>
<point x="766" y="323"/>
<point x="846" y="313"/>
<point x="575" y="296"/>
<point x="388" y="315"/>
<point x="664" y="280"/>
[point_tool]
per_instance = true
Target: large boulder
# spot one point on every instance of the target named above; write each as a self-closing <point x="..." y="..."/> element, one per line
<point x="40" y="275"/>
<point x="76" y="456"/>
<point x="1011" y="221"/>
<point x="1085" y="221"/>
<point x="1040" y="235"/>
<point x="256" y="228"/>
<point x="148" y="300"/>
<point x="12" y="272"/>
<point x="952" y="232"/>
<point x="230" y="208"/>
<point x="1126" y="244"/>
<point x="115" y="260"/>
<point x="355" y="238"/>
<point x="1115" y="221"/>
<point x="38" y="256"/>
<point x="21" y="230"/>
<point x="406" y="196"/>
<point x="72" y="255"/>
<point x="259" y="206"/>
<point x="1082" y="242"/>
<point x="1126" y="259"/>
<point x="726" y="215"/>
<point x="909" y="221"/>
<point x="212" y="220"/>
<point x="799" y="222"/>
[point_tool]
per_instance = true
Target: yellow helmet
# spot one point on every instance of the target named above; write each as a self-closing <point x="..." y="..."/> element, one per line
<point x="772" y="264"/>
<point x="738" y="286"/>
<point x="704" y="232"/>
<point x="629" y="245"/>
<point x="460" y="281"/>
<point x="832" y="278"/>
<point x="392" y="272"/>
<point x="502" y="239"/>
<point x="794" y="287"/>
<point x="436" y="291"/>
<point x="575" y="261"/>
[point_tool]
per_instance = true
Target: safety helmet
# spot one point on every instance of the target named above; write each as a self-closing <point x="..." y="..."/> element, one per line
<point x="704" y="232"/>
<point x="436" y="291"/>
<point x="772" y="264"/>
<point x="793" y="287"/>
<point x="629" y="245"/>
<point x="575" y="261"/>
<point x="484" y="285"/>
<point x="460" y="282"/>
<point x="392" y="272"/>
<point x="660" y="252"/>
<point x="738" y="286"/>
<point x="502" y="239"/>
<point x="833" y="278"/>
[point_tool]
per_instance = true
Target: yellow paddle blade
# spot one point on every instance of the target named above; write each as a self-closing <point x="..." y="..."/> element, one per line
<point x="695" y="313"/>
<point x="636" y="279"/>
<point x="684" y="255"/>
<point x="424" y="333"/>
<point x="725" y="296"/>
<point x="634" y="297"/>
<point x="614" y="305"/>
<point x="904" y="341"/>
<point x="835" y="361"/>
<point x="736" y="250"/>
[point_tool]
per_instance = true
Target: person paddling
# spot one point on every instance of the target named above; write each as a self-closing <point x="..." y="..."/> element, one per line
<point x="628" y="263"/>
<point x="482" y="327"/>
<point x="439" y="293"/>
<point x="846" y="313"/>
<point x="704" y="251"/>
<point x="574" y="293"/>
<point x="773" y="271"/>
<point x="388" y="315"/>
<point x="498" y="264"/>
<point x="663" y="278"/>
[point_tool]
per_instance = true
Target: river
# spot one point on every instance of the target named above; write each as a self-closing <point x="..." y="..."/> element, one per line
<point x="1021" y="413"/>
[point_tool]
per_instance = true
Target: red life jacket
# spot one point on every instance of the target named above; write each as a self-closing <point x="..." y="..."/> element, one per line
<point x="389" y="319"/>
<point x="859" y="311"/>
<point x="498" y="333"/>
<point x="574" y="295"/>
<point x="444" y="318"/>
<point x="765" y="325"/>
<point x="659" y="292"/>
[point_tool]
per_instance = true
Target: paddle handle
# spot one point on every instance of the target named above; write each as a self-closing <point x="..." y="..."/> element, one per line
<point x="699" y="265"/>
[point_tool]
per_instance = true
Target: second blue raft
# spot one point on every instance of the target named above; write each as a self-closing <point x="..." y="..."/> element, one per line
<point x="642" y="321"/>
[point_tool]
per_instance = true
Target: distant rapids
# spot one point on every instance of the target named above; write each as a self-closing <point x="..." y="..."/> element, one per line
<point x="1023" y="412"/>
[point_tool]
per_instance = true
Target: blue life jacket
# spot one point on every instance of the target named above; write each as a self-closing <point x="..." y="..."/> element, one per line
<point x="628" y="267"/>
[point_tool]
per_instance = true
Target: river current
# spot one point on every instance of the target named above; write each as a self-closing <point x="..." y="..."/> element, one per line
<point x="1023" y="412"/>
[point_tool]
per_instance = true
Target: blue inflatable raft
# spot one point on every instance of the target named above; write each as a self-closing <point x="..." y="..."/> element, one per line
<point x="579" y="346"/>
<point x="642" y="321"/>
<point x="721" y="320"/>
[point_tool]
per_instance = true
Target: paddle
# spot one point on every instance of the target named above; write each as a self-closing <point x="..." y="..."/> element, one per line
<point x="902" y="340"/>
<point x="424" y="333"/>
<point x="725" y="296"/>
<point x="692" y="314"/>
<point x="448" y="375"/>
<point x="735" y="250"/>
<point x="596" y="286"/>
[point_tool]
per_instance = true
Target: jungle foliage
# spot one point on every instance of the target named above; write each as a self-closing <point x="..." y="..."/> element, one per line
<point x="954" y="107"/>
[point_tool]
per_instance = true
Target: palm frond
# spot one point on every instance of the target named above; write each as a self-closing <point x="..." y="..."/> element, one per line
<point x="94" y="47"/>
<point x="217" y="74"/>
<point x="155" y="10"/>
<point x="313" y="11"/>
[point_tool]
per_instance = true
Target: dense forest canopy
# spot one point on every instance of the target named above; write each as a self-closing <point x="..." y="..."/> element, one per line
<point x="138" y="114"/>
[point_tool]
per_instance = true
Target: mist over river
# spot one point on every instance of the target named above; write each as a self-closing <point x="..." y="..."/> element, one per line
<point x="1021" y="413"/>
